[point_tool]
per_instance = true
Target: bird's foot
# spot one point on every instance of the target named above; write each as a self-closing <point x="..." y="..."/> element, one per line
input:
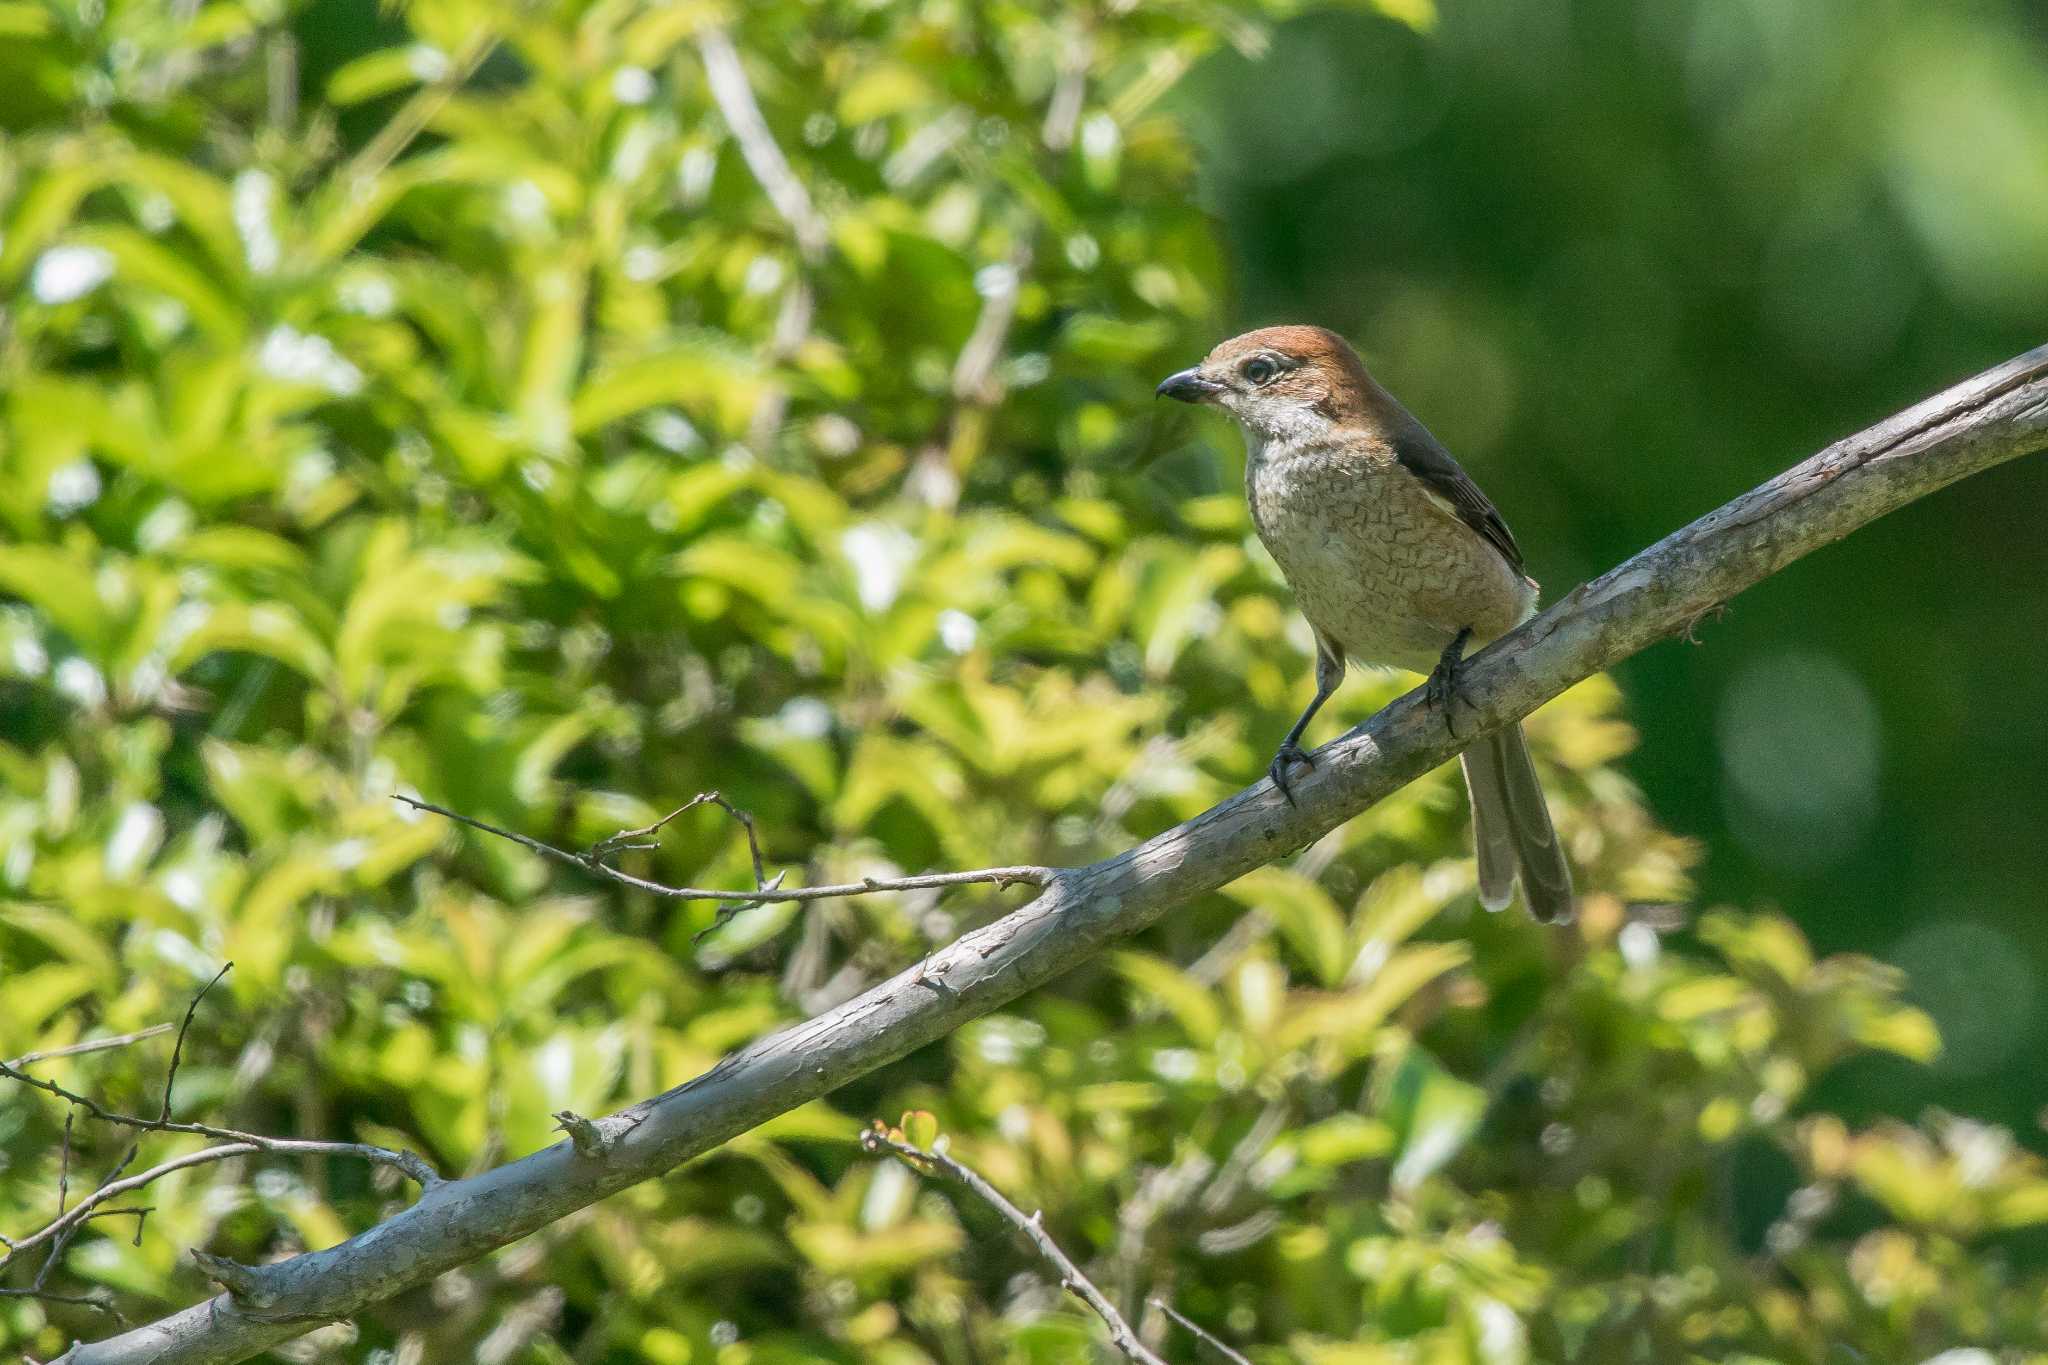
<point x="1289" y="754"/>
<point x="1442" y="687"/>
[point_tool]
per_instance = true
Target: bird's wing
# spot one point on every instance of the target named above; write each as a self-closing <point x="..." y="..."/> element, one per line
<point x="1452" y="489"/>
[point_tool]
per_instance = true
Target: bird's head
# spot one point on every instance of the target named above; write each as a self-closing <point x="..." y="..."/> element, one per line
<point x="1280" y="383"/>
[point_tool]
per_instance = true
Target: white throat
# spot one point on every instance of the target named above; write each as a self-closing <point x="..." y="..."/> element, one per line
<point x="1282" y="427"/>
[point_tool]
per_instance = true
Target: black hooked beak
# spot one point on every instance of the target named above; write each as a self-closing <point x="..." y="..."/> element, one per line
<point x="1189" y="387"/>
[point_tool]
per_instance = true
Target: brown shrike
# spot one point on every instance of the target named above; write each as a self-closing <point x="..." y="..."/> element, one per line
<point x="1396" y="557"/>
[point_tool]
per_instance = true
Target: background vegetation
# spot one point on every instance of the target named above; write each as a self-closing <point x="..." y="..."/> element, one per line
<point x="446" y="400"/>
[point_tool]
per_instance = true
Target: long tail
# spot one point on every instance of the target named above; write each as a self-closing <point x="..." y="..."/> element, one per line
<point x="1511" y="828"/>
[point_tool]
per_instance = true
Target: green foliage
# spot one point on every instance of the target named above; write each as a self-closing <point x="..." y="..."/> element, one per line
<point x="437" y="402"/>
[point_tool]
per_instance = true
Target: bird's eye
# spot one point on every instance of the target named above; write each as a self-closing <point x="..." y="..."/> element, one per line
<point x="1260" y="369"/>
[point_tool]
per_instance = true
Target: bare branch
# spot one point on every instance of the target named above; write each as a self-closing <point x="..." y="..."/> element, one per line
<point x="1994" y="417"/>
<point x="643" y="838"/>
<point x="178" y="1047"/>
<point x="877" y="1139"/>
<point x="1195" y="1330"/>
<point x="726" y="73"/>
<point x="63" y="1168"/>
<point x="411" y="1163"/>
<point x="792" y="328"/>
<point x="975" y="367"/>
<point x="1063" y="110"/>
<point x="98" y="1301"/>
<point x="731" y="908"/>
<point x="935" y="478"/>
<point x="727" y="76"/>
<point x="765" y="894"/>
<point x="90" y="1045"/>
<point x="60" y="1230"/>
<point x="114" y="1189"/>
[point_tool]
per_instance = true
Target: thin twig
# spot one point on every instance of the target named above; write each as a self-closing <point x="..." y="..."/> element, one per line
<point x="923" y="148"/>
<point x="976" y="388"/>
<point x="767" y="894"/>
<point x="409" y="1162"/>
<point x="727" y="76"/>
<point x="68" y="1220"/>
<point x="91" y="1045"/>
<point x="62" y="1228"/>
<point x="178" y="1047"/>
<point x="64" y="1166"/>
<point x="1069" y="92"/>
<point x="1163" y="1191"/>
<point x="725" y="912"/>
<point x="734" y="95"/>
<point x="127" y="1160"/>
<point x="1223" y="1186"/>
<point x="1195" y="1330"/>
<point x="644" y="837"/>
<point x="1032" y="1226"/>
<point x="974" y="369"/>
<point x="98" y="1301"/>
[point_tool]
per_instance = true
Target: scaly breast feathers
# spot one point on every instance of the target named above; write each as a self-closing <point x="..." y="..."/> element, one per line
<point x="1374" y="564"/>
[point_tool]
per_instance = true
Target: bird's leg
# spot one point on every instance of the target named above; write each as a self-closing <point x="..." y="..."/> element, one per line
<point x="1442" y="687"/>
<point x="1329" y="673"/>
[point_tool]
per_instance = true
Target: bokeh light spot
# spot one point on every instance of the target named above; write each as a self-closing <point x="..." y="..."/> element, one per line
<point x="1800" y="758"/>
<point x="1978" y="984"/>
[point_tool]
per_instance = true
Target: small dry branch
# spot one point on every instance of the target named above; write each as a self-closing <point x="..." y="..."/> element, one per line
<point x="1121" y="1336"/>
<point x="1196" y="1330"/>
<point x="767" y="890"/>
<point x="71" y="1218"/>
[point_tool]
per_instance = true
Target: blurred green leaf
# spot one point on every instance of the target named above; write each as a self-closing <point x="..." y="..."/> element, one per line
<point x="1432" y="1114"/>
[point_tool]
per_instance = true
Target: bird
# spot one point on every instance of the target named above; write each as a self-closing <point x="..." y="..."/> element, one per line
<point x="1394" y="556"/>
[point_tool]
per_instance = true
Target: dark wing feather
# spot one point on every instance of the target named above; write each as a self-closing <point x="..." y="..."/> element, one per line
<point x="1421" y="456"/>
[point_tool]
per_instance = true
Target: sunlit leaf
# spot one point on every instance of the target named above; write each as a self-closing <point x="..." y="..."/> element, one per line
<point x="1432" y="1114"/>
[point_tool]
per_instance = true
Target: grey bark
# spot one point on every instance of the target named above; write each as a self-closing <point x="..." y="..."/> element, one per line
<point x="1996" y="416"/>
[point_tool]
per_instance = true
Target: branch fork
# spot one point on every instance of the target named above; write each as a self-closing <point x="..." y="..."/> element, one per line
<point x="767" y="890"/>
<point x="59" y="1231"/>
<point x="244" y="1282"/>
